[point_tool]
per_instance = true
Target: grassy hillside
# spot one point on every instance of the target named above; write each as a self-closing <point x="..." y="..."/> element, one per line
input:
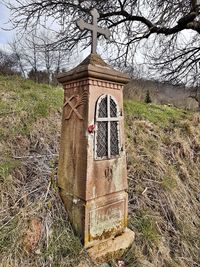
<point x="34" y="230"/>
<point x="161" y="93"/>
<point x="163" y="147"/>
<point x="163" y="154"/>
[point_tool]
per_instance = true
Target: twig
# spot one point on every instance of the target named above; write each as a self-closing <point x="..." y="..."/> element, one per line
<point x="47" y="231"/>
<point x="144" y="191"/>
<point x="11" y="219"/>
<point x="8" y="112"/>
<point x="34" y="156"/>
<point x="48" y="188"/>
<point x="150" y="180"/>
<point x="35" y="190"/>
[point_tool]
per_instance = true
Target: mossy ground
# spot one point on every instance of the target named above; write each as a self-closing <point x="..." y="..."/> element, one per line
<point x="163" y="156"/>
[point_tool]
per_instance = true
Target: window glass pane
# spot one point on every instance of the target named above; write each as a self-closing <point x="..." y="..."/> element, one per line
<point x="103" y="112"/>
<point x="113" y="108"/>
<point x="102" y="139"/>
<point x="114" y="138"/>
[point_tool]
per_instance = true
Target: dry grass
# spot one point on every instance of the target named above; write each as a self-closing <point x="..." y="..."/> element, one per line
<point x="34" y="228"/>
<point x="163" y="153"/>
<point x="28" y="193"/>
<point x="164" y="203"/>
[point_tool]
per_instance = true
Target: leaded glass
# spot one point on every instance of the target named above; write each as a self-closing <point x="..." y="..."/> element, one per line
<point x="107" y="134"/>
<point x="114" y="138"/>
<point x="102" y="139"/>
<point x="103" y="109"/>
<point x="113" y="108"/>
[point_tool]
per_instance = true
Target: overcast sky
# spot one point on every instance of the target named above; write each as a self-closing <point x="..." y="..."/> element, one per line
<point x="5" y="35"/>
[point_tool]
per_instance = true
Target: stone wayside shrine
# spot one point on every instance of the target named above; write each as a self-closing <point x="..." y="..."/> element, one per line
<point x="92" y="176"/>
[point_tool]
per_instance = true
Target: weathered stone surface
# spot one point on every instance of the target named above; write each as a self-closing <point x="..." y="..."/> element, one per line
<point x="93" y="190"/>
<point x="85" y="263"/>
<point x="95" y="60"/>
<point x="114" y="247"/>
<point x="105" y="264"/>
<point x="105" y="217"/>
<point x="94" y="67"/>
<point x="146" y="263"/>
<point x="93" y="28"/>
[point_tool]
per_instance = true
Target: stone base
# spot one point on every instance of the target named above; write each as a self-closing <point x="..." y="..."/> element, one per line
<point x="111" y="248"/>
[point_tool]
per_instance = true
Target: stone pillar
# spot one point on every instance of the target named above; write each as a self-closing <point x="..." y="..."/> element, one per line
<point x="92" y="176"/>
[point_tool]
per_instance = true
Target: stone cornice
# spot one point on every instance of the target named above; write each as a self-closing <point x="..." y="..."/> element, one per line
<point x="95" y="82"/>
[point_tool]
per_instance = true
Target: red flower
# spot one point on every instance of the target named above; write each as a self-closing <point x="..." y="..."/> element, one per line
<point x="91" y="128"/>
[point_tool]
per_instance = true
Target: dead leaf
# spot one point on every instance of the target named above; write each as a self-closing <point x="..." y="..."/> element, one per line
<point x="33" y="234"/>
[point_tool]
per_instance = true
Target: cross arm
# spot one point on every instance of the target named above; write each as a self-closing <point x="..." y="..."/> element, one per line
<point x="84" y="25"/>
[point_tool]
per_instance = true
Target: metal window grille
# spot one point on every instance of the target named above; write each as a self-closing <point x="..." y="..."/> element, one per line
<point x="103" y="109"/>
<point x="113" y="108"/>
<point x="107" y="134"/>
<point x="102" y="139"/>
<point x="114" y="138"/>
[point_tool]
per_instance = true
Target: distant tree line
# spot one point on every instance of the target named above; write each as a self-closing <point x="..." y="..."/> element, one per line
<point x="167" y="33"/>
<point x="33" y="58"/>
<point x="8" y="64"/>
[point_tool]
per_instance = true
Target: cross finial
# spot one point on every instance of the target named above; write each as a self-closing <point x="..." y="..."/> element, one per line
<point x="93" y="28"/>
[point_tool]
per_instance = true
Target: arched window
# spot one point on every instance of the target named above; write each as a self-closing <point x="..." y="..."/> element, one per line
<point x="107" y="128"/>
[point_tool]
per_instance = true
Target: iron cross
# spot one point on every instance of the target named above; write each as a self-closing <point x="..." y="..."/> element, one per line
<point x="93" y="28"/>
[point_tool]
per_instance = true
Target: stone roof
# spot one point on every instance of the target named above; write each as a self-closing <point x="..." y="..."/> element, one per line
<point x="93" y="59"/>
<point x="93" y="66"/>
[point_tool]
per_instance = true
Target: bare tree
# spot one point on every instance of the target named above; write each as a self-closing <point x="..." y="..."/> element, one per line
<point x="27" y="50"/>
<point x="47" y="53"/>
<point x="37" y="59"/>
<point x="132" y="22"/>
<point x="195" y="94"/>
<point x="53" y="57"/>
<point x="8" y="63"/>
<point x="195" y="90"/>
<point x="31" y="54"/>
<point x="17" y="51"/>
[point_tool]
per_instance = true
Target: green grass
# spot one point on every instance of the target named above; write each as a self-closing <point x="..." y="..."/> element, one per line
<point x="157" y="114"/>
<point x="168" y="183"/>
<point x="155" y="155"/>
<point x="63" y="244"/>
<point x="26" y="101"/>
<point x="6" y="167"/>
<point x="146" y="228"/>
<point x="8" y="235"/>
